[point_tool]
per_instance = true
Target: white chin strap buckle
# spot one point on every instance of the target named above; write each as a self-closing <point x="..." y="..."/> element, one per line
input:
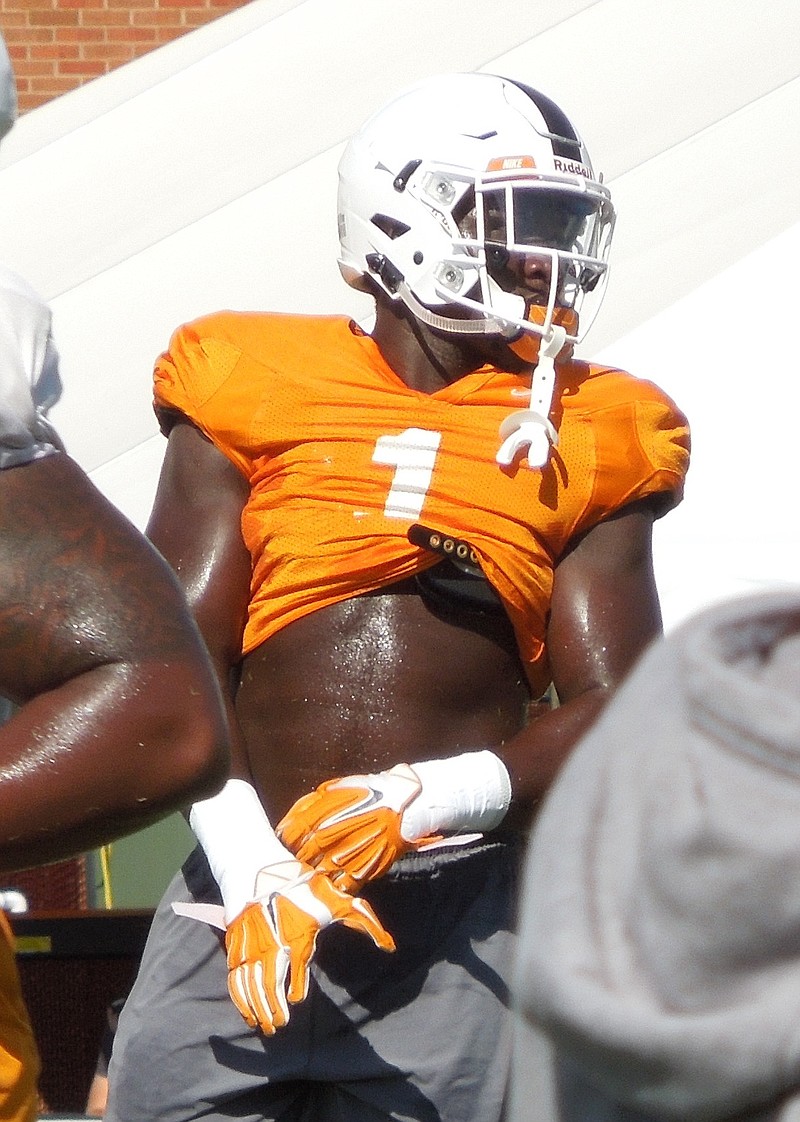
<point x="529" y="432"/>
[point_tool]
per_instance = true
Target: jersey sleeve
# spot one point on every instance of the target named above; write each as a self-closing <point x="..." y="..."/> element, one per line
<point x="193" y="379"/>
<point x="641" y="446"/>
<point x="191" y="371"/>
<point x="29" y="376"/>
<point x="663" y="434"/>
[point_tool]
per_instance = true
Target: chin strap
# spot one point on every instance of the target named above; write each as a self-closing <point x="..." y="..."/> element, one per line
<point x="487" y="326"/>
<point x="530" y="432"/>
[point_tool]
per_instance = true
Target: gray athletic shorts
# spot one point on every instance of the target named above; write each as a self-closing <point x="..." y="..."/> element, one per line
<point x="421" y="1035"/>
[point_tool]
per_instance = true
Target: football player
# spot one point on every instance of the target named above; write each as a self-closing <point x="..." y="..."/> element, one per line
<point x="117" y="716"/>
<point x="395" y="543"/>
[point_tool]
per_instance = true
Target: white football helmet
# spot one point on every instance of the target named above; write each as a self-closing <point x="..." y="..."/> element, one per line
<point x="440" y="187"/>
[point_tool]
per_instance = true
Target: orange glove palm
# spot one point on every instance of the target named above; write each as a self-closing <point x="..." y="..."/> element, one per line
<point x="273" y="939"/>
<point x="351" y="829"/>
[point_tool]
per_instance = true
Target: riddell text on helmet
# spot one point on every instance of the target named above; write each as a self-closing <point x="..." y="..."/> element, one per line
<point x="571" y="167"/>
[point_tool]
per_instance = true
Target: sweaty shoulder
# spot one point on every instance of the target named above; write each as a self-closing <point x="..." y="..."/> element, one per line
<point x="639" y="437"/>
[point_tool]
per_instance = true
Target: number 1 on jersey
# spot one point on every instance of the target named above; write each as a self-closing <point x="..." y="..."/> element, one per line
<point x="412" y="453"/>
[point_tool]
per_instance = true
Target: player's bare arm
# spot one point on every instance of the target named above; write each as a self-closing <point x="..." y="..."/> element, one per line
<point x="97" y="645"/>
<point x="604" y="612"/>
<point x="195" y="525"/>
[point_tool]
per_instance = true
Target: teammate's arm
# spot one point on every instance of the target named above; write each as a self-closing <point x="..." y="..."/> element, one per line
<point x="119" y="719"/>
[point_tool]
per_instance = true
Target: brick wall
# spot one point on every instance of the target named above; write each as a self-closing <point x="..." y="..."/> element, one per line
<point x="56" y="45"/>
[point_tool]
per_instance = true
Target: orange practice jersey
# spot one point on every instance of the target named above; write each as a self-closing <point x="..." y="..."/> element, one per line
<point x="342" y="457"/>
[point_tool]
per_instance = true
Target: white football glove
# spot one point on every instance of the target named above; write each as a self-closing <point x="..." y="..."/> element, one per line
<point x="355" y="828"/>
<point x="274" y="906"/>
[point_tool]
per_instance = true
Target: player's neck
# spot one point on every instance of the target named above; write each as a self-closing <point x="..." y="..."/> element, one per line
<point x="425" y="359"/>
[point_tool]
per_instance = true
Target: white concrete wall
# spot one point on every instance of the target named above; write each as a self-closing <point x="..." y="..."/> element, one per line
<point x="203" y="176"/>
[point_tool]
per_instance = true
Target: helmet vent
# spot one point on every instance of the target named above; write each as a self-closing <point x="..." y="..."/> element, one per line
<point x="391" y="227"/>
<point x="403" y="176"/>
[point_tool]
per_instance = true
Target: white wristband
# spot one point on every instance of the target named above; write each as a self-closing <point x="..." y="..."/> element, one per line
<point x="238" y="840"/>
<point x="467" y="792"/>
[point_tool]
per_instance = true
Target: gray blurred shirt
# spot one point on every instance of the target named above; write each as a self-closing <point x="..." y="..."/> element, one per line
<point x="659" y="968"/>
